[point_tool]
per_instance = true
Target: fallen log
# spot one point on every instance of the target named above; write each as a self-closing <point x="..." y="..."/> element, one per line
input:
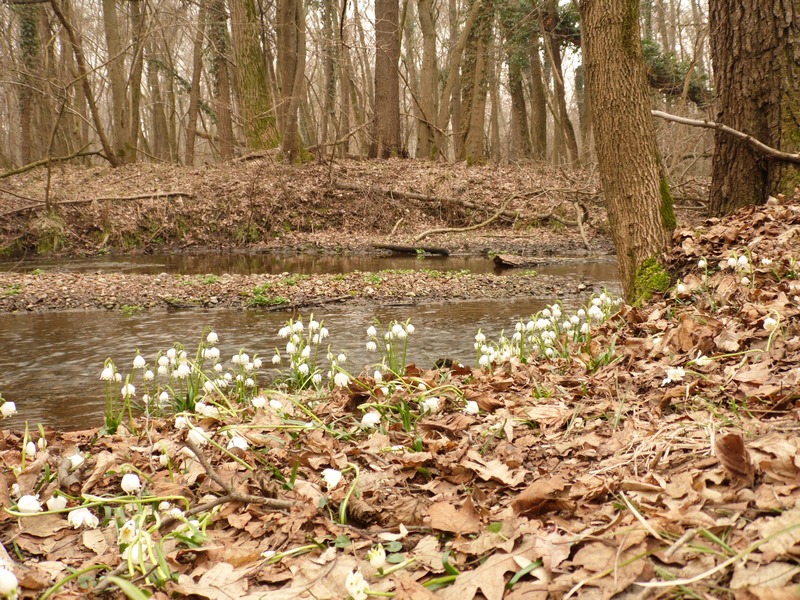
<point x="512" y="261"/>
<point x="412" y="249"/>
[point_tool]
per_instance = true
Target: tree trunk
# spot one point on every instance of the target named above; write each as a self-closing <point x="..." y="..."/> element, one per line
<point x="194" y="92"/>
<point x="428" y="78"/>
<point x="291" y="29"/>
<point x="474" y="84"/>
<point x="329" y="63"/>
<point x="386" y="126"/>
<point x="256" y="107"/>
<point x="757" y="77"/>
<point x="30" y="51"/>
<point x="218" y="36"/>
<point x="137" y="33"/>
<point x="538" y="104"/>
<point x="636" y="194"/>
<point x="120" y="108"/>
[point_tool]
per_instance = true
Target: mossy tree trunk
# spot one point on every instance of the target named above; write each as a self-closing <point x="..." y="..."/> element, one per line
<point x="386" y="140"/>
<point x="218" y="36"/>
<point x="291" y="33"/>
<point x="637" y="198"/>
<point x="754" y="49"/>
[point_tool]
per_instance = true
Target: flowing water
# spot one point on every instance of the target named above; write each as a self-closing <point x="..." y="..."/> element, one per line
<point x="51" y="362"/>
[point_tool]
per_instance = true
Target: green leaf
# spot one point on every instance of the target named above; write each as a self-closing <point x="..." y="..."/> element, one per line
<point x="130" y="590"/>
<point x="394" y="546"/>
<point x="342" y="541"/>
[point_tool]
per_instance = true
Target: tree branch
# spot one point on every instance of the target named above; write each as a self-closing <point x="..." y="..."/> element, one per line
<point x="44" y="161"/>
<point x="757" y="145"/>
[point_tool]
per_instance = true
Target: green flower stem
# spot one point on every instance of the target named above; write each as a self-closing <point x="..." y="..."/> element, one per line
<point x="72" y="576"/>
<point x="343" y="506"/>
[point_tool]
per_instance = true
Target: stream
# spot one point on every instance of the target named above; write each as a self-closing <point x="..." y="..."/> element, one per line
<point x="51" y="362"/>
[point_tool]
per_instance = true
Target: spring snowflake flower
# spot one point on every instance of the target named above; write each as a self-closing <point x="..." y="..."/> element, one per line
<point x="56" y="503"/>
<point x="549" y="353"/>
<point x="371" y="331"/>
<point x="290" y="348"/>
<point x="480" y="338"/>
<point x="356" y="585"/>
<point x="275" y="404"/>
<point x="313" y="325"/>
<point x="149" y="375"/>
<point x="681" y="288"/>
<point x="197" y="436"/>
<point x="377" y="556"/>
<point x="236" y="359"/>
<point x="297" y="326"/>
<point x="259" y="402"/>
<point x="316" y="378"/>
<point x="29" y="504"/>
<point x="332" y="477"/>
<point x="82" y="517"/>
<point x="257" y="363"/>
<point x="130" y="483"/>
<point x="770" y="323"/>
<point x="302" y="369"/>
<point x="8" y="409"/>
<point x="276" y="359"/>
<point x="127" y="391"/>
<point x="239" y="442"/>
<point x="211" y="353"/>
<point x="163" y="397"/>
<point x="596" y="313"/>
<point x="30" y="450"/>
<point x="162" y="370"/>
<point x="183" y="371"/>
<point x="341" y="358"/>
<point x="341" y="379"/>
<point x="370" y="419"/>
<point x="410" y="329"/>
<point x="76" y="460"/>
<point x="471" y="407"/>
<point x="674" y="374"/>
<point x="702" y="360"/>
<point x="397" y="329"/>
<point x="484" y="360"/>
<point x="163" y="361"/>
<point x="212" y="338"/>
<point x="139" y="362"/>
<point x="766" y="261"/>
<point x="107" y="374"/>
<point x="742" y="263"/>
<point x="208" y="386"/>
<point x="702" y="263"/>
<point x="323" y="333"/>
<point x="9" y="585"/>
<point x="377" y="376"/>
<point x="127" y="533"/>
<point x="585" y="328"/>
<point x="284" y="332"/>
<point x="172" y="354"/>
<point x="372" y="346"/>
<point x="430" y="405"/>
<point x="249" y="383"/>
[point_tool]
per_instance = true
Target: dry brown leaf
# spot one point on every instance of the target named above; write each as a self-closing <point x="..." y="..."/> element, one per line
<point x="733" y="455"/>
<point x="770" y="575"/>
<point x="489" y="577"/>
<point x="461" y="521"/>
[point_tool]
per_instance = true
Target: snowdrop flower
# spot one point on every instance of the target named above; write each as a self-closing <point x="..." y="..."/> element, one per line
<point x="341" y="379"/>
<point x="30" y="450"/>
<point x="377" y="376"/>
<point x="55" y="503"/>
<point x="480" y="338"/>
<point x="316" y="378"/>
<point x="276" y="359"/>
<point x="681" y="288"/>
<point x="130" y="483"/>
<point x="674" y="374"/>
<point x="9" y="585"/>
<point x="259" y="402"/>
<point x="239" y="442"/>
<point x="290" y="348"/>
<point x="275" y="404"/>
<point x="76" y="460"/>
<point x="212" y="338"/>
<point x="371" y="331"/>
<point x="702" y="263"/>
<point x="284" y="332"/>
<point x="197" y="436"/>
<point x="372" y="346"/>
<point x="8" y="409"/>
<point x="149" y="375"/>
<point x="163" y="397"/>
<point x="257" y="363"/>
<point x="745" y="281"/>
<point x="770" y="323"/>
<point x="183" y="371"/>
<point x="107" y="374"/>
<point x="471" y="407"/>
<point x="430" y="405"/>
<point x="82" y="517"/>
<point x="138" y="362"/>
<point x="356" y="585"/>
<point x="29" y="504"/>
<point x="377" y="556"/>
<point x="410" y="329"/>
<point x="181" y="423"/>
<point x="127" y="533"/>
<point x="370" y="419"/>
<point x="332" y="477"/>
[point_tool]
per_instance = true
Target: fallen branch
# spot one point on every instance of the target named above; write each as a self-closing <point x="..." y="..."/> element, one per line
<point x="494" y="217"/>
<point x="757" y="145"/>
<point x="580" y="211"/>
<point x="44" y="161"/>
<point x="412" y="249"/>
<point x="40" y="203"/>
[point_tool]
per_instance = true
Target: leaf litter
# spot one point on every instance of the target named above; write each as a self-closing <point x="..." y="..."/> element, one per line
<point x="660" y="459"/>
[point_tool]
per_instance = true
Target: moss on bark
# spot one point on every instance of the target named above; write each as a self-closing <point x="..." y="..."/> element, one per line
<point x="651" y="276"/>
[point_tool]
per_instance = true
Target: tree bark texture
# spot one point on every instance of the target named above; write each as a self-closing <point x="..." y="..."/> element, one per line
<point x="474" y="84"/>
<point x="386" y="127"/>
<point x="428" y="78"/>
<point x="755" y="49"/>
<point x="218" y="36"/>
<point x="194" y="92"/>
<point x="638" y="204"/>
<point x="120" y="108"/>
<point x="291" y="30"/>
<point x="538" y="104"/>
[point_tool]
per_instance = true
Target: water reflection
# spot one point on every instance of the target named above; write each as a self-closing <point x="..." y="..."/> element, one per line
<point x="51" y="363"/>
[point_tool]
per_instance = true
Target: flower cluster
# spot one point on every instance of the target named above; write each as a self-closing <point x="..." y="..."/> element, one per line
<point x="392" y="344"/>
<point x="304" y="348"/>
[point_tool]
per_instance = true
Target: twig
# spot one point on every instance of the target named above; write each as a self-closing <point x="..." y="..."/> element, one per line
<point x="396" y="225"/>
<point x="494" y="217"/>
<point x="40" y="203"/>
<point x="757" y="145"/>
<point x="44" y="161"/>
<point x="579" y="211"/>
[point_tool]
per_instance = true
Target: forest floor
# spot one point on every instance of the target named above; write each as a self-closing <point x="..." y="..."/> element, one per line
<point x="654" y="452"/>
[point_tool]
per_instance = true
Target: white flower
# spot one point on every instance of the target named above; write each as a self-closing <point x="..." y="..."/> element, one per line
<point x="770" y="323"/>
<point x="316" y="378"/>
<point x="15" y="491"/>
<point x="163" y="361"/>
<point x="284" y="332"/>
<point x="117" y="377"/>
<point x="371" y="331"/>
<point x="249" y="383"/>
<point x="397" y="329"/>
<point x="323" y="333"/>
<point x="212" y="338"/>
<point x="332" y="477"/>
<point x="183" y="371"/>
<point x="341" y="379"/>
<point x="377" y="376"/>
<point x="574" y="319"/>
<point x="766" y="261"/>
<point x="430" y="405"/>
<point x="181" y="423"/>
<point x="297" y="326"/>
<point x="259" y="402"/>
<point x="681" y="288"/>
<point x="149" y="375"/>
<point x="162" y="370"/>
<point x="236" y="359"/>
<point x="276" y="359"/>
<point x="244" y="358"/>
<point x="76" y="460"/>
<point x="138" y="362"/>
<point x="107" y="374"/>
<point x="471" y="407"/>
<point x="702" y="263"/>
<point x="56" y="503"/>
<point x="702" y="360"/>
<point x="127" y="533"/>
<point x="163" y="460"/>
<point x="585" y="328"/>
<point x="208" y="386"/>
<point x="8" y="409"/>
<point x="257" y="363"/>
<point x="176" y="513"/>
<point x="341" y="358"/>
<point x="238" y="441"/>
<point x="227" y="377"/>
<point x="743" y="262"/>
<point x="29" y="504"/>
<point x="372" y="346"/>
<point x="130" y="483"/>
<point x="9" y="586"/>
<point x="595" y="312"/>
<point x="163" y="397"/>
<point x="370" y="419"/>
<point x="211" y="353"/>
<point x="356" y="585"/>
<point x="290" y="348"/>
<point x="745" y="281"/>
<point x="674" y="374"/>
<point x="409" y="329"/>
<point x="484" y="360"/>
<point x="313" y="325"/>
<point x="480" y="338"/>
<point x="127" y="391"/>
<point x="197" y="436"/>
<point x="377" y="556"/>
<point x="302" y="369"/>
<point x="82" y="517"/>
<point x="731" y="262"/>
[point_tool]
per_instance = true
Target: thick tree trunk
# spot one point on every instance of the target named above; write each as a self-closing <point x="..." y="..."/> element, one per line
<point x="120" y="115"/>
<point x="194" y="93"/>
<point x="291" y="29"/>
<point x="30" y="52"/>
<point x="218" y="36"/>
<point x="637" y="199"/>
<point x="757" y="77"/>
<point x="137" y="33"/>
<point x="428" y="77"/>
<point x="386" y="126"/>
<point x="520" y="143"/>
<point x="474" y="85"/>
<point x="538" y="104"/>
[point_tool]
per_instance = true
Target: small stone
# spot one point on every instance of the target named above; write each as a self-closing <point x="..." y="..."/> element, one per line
<point x="581" y="287"/>
<point x="213" y="300"/>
